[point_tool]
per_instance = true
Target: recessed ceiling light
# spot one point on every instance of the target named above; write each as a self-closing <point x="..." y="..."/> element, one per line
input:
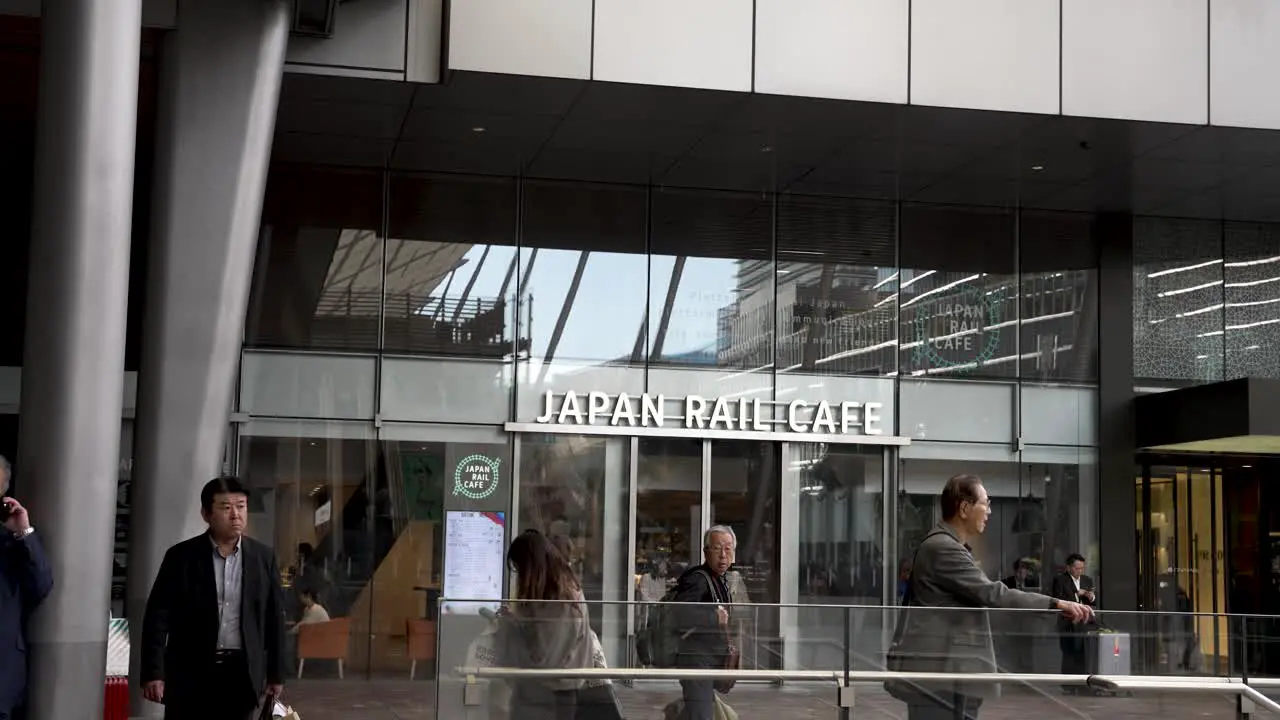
<point x="1037" y="168"/>
<point x="477" y="129"/>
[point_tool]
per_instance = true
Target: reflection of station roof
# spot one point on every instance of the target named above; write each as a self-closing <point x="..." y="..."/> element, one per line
<point x="415" y="269"/>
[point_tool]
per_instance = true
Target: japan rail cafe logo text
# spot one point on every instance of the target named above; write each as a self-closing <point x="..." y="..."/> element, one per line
<point x="476" y="477"/>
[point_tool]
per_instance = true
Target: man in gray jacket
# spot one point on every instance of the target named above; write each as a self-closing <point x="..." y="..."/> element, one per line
<point x="957" y="638"/>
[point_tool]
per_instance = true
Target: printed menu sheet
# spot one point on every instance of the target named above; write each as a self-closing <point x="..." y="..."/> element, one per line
<point x="475" y="545"/>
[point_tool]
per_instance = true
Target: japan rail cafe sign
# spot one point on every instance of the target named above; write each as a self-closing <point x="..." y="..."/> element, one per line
<point x="699" y="413"/>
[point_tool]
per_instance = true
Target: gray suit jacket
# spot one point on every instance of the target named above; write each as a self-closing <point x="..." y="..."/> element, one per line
<point x="945" y="575"/>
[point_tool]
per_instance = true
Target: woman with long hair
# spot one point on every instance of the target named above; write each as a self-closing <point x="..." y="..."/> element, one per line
<point x="545" y="627"/>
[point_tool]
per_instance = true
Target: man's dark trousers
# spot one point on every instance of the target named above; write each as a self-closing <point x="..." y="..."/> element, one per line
<point x="228" y="697"/>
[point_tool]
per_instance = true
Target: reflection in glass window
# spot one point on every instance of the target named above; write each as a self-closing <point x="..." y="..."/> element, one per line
<point x="574" y="490"/>
<point x="957" y="292"/>
<point x="837" y="277"/>
<point x="312" y="489"/>
<point x="1059" y="298"/>
<point x="450" y="267"/>
<point x="318" y="275"/>
<point x="584" y="276"/>
<point x="711" y="280"/>
<point x="1251" y="276"/>
<point x="1041" y="511"/>
<point x="1177" y="300"/>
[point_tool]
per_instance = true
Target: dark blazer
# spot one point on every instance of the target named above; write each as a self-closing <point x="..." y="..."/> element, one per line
<point x="180" y="628"/>
<point x="955" y="640"/>
<point x="703" y="643"/>
<point x="25" y="580"/>
<point x="1065" y="589"/>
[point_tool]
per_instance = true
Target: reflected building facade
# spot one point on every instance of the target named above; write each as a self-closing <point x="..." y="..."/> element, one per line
<point x="381" y="353"/>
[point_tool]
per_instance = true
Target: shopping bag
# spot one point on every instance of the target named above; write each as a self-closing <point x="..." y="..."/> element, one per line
<point x="723" y="711"/>
<point x="598" y="662"/>
<point x="483" y="652"/>
<point x="598" y="702"/>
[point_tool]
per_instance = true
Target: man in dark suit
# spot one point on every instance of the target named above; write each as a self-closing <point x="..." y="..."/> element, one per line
<point x="25" y="580"/>
<point x="213" y="634"/>
<point x="1075" y="586"/>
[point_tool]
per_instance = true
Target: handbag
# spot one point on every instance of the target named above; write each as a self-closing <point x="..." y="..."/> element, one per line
<point x="733" y="660"/>
<point x="598" y="702"/>
<point x="597" y="699"/>
<point x="896" y="657"/>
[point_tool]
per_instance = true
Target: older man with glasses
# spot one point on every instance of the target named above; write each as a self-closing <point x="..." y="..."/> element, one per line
<point x="704" y="622"/>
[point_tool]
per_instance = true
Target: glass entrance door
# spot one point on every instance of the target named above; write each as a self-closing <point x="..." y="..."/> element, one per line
<point x="1183" y="548"/>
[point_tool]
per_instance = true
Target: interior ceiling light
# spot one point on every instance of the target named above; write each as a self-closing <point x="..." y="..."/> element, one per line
<point x="477" y="129"/>
<point x="1037" y="168"/>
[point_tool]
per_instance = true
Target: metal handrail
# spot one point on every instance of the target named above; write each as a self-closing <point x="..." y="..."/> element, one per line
<point x="1227" y="686"/>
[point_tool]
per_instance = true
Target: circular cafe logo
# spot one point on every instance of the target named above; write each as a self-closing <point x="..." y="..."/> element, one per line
<point x="960" y="330"/>
<point x="476" y="477"/>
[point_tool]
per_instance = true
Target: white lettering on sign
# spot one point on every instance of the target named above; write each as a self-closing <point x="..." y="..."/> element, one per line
<point x="698" y="413"/>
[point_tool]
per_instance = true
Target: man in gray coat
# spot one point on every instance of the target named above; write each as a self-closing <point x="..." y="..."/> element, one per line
<point x="957" y="638"/>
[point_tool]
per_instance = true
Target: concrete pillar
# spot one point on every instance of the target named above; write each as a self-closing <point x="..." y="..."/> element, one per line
<point x="220" y="85"/>
<point x="73" y="371"/>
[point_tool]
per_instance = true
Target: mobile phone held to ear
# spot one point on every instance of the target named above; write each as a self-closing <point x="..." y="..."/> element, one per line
<point x="5" y="509"/>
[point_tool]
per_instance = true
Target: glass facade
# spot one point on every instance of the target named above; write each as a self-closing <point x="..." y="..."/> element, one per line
<point x="398" y="322"/>
<point x="1205" y="301"/>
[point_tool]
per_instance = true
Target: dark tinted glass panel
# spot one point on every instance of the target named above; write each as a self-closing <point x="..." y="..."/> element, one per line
<point x="451" y="265"/>
<point x="584" y="274"/>
<point x="957" y="292"/>
<point x="837" y="276"/>
<point x="711" y="280"/>
<point x="1059" y="299"/>
<point x="1177" y="300"/>
<point x="318" y="275"/>
<point x="1251" y="290"/>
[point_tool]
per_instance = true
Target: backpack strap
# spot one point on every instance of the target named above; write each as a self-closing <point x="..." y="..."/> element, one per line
<point x="909" y="597"/>
<point x="711" y="583"/>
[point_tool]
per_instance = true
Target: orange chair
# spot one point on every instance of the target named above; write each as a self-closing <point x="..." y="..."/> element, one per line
<point x="421" y="638"/>
<point x="324" y="641"/>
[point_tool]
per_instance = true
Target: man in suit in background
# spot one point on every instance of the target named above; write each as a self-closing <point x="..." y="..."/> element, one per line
<point x="1075" y="586"/>
<point x="25" y="580"/>
<point x="213" y="633"/>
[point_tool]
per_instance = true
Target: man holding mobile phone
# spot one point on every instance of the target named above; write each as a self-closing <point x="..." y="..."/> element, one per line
<point x="25" y="581"/>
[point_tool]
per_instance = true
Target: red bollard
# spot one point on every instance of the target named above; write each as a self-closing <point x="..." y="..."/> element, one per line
<point x="116" y="706"/>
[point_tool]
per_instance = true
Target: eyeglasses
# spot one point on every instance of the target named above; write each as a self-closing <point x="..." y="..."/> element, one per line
<point x="721" y="549"/>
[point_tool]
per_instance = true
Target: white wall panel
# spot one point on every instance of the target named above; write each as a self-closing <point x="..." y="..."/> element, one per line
<point x="1244" y="47"/>
<point x="307" y="385"/>
<point x="703" y="44"/>
<point x="548" y="38"/>
<point x="367" y="35"/>
<point x="1136" y="59"/>
<point x="1059" y="415"/>
<point x="841" y="49"/>
<point x="956" y="411"/>
<point x="986" y="54"/>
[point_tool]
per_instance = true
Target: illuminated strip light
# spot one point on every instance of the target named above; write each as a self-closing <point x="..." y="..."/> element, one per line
<point x="1200" y="311"/>
<point x="885" y="281"/>
<point x="1210" y="334"/>
<point x="856" y="351"/>
<point x="916" y="279"/>
<point x="941" y="288"/>
<point x="731" y="376"/>
<point x="891" y="298"/>
<point x="1252" y="283"/>
<point x="993" y="361"/>
<point x="997" y="326"/>
<point x="1183" y="291"/>
<point x="1260" y="323"/>
<point x="1253" y="303"/>
<point x="1251" y="263"/>
<point x="1186" y="268"/>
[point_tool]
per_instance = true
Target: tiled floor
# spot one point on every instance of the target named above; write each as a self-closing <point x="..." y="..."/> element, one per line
<point x="403" y="700"/>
